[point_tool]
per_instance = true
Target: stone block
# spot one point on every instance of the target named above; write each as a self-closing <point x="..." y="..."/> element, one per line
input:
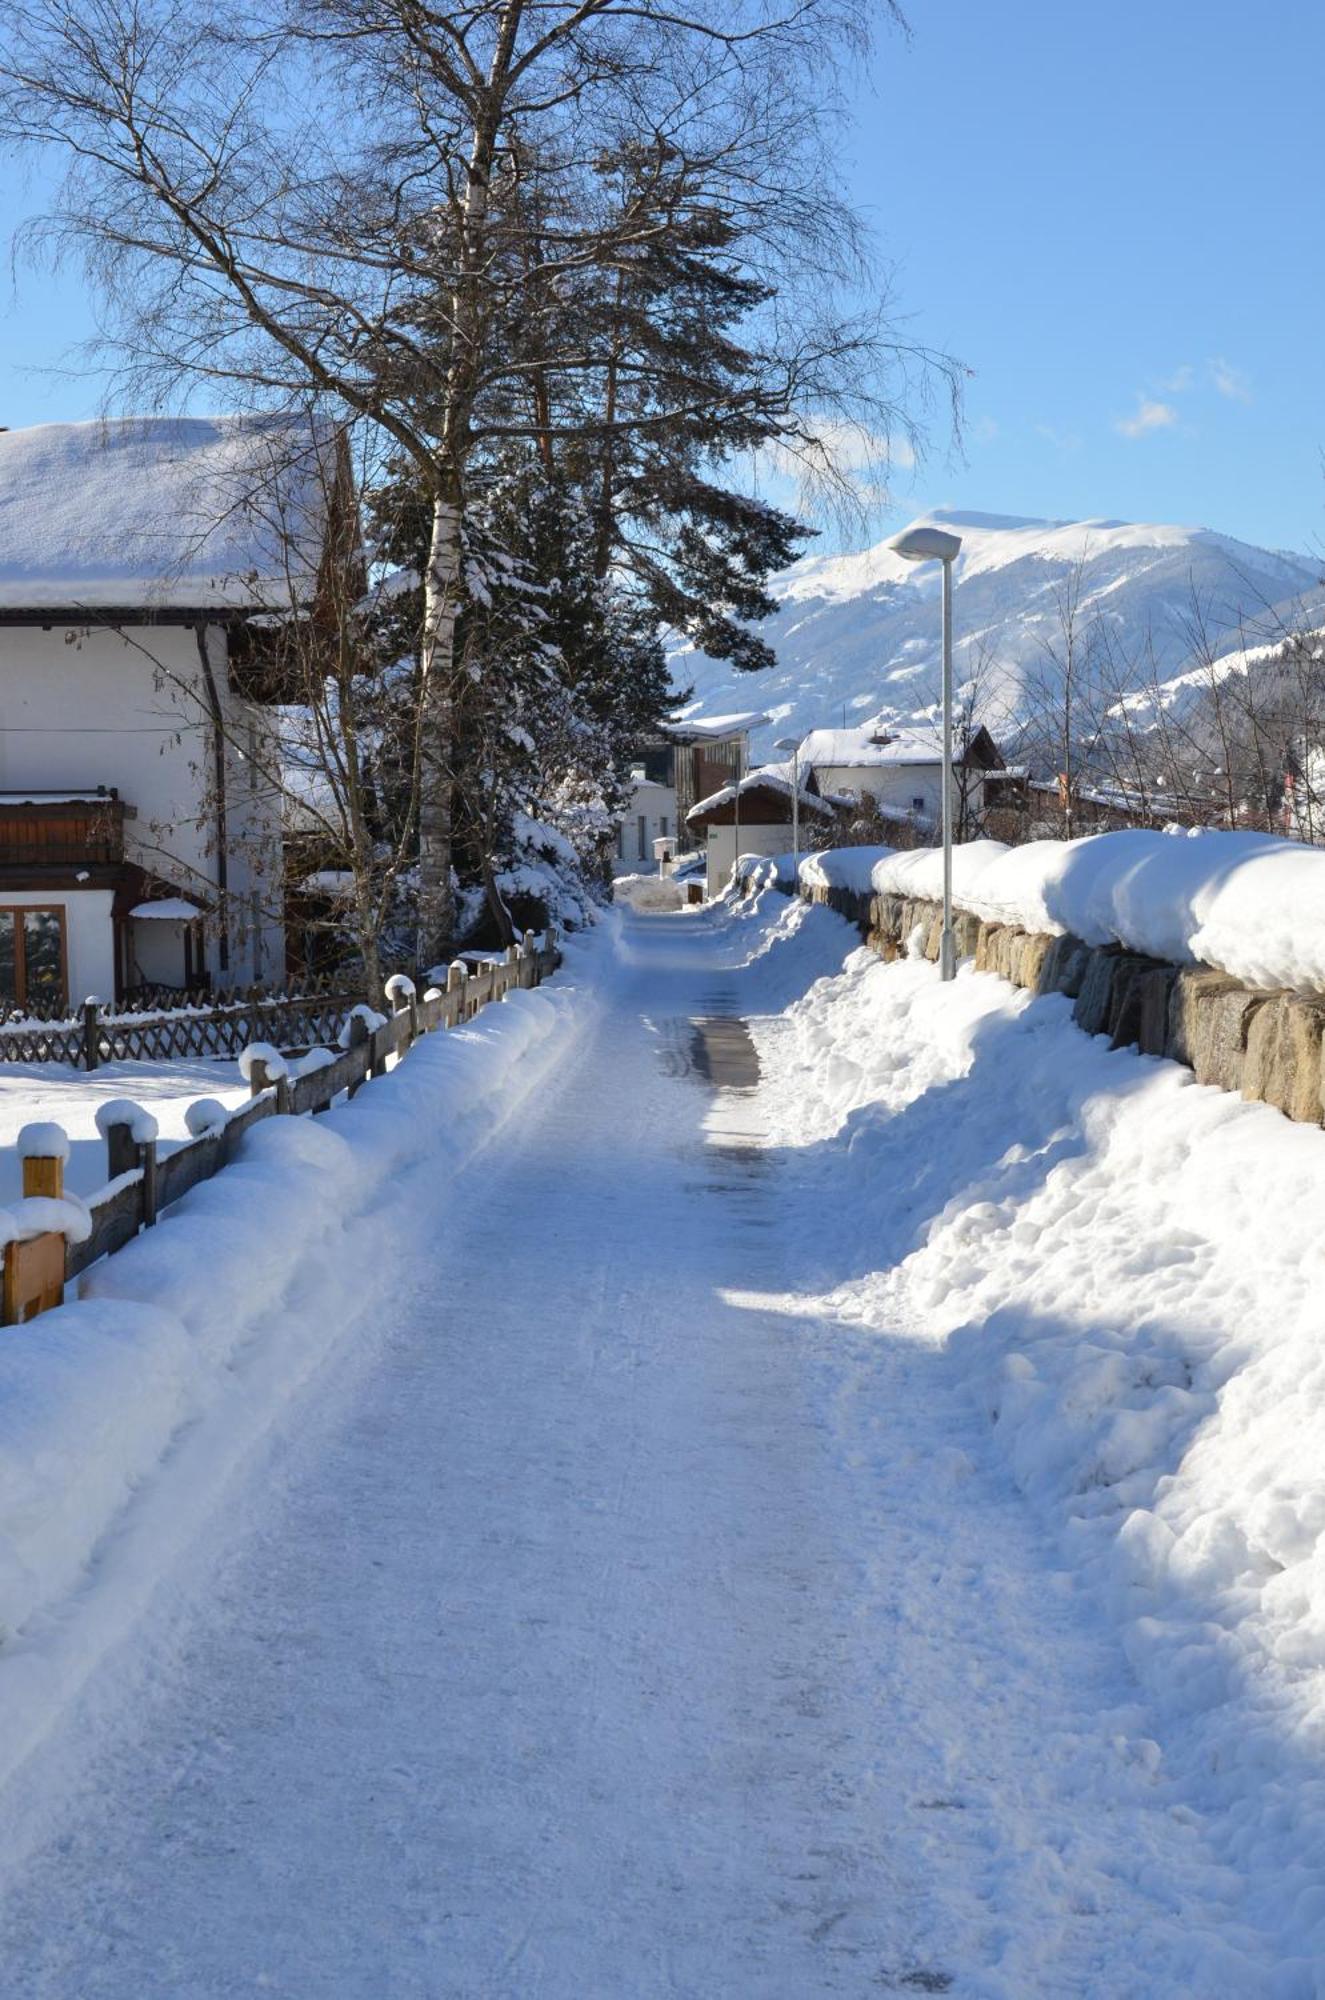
<point x="1029" y="953"/>
<point x="1152" y="1018"/>
<point x="1210" y="1016"/>
<point x="1282" y="1065"/>
<point x="985" y="945"/>
<point x="965" y="933"/>
<point x="1094" y="1002"/>
<point x="1064" y="966"/>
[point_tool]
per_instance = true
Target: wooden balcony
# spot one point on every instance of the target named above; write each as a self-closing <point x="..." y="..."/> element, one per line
<point x="61" y="830"/>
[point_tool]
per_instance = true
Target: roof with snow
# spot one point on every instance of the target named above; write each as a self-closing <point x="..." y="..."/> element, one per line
<point x="164" y="512"/>
<point x="714" y="728"/>
<point x="875" y="746"/>
<point x="772" y="785"/>
<point x="869" y="747"/>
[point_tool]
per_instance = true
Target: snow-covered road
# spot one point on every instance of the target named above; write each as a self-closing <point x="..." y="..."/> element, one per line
<point x="610" y="1620"/>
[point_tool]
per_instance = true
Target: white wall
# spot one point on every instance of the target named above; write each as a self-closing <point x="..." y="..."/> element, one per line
<point x="84" y="707"/>
<point x="657" y="804"/>
<point x="897" y="785"/>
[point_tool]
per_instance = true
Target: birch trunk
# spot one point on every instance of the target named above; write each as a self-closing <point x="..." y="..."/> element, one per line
<point x="441" y="596"/>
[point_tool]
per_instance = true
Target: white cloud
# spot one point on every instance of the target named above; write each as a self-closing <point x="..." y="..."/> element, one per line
<point x="1060" y="440"/>
<point x="1181" y="378"/>
<point x="1229" y="381"/>
<point x="983" y="431"/>
<point x="864" y="458"/>
<point x="1150" y="415"/>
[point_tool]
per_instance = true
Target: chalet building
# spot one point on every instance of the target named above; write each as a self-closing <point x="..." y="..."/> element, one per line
<point x="901" y="769"/>
<point x="754" y="815"/>
<point x="147" y="570"/>
<point x="685" y="762"/>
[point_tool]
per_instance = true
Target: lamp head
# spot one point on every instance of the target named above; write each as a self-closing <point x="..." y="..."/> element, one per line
<point x="926" y="544"/>
<point x="787" y="743"/>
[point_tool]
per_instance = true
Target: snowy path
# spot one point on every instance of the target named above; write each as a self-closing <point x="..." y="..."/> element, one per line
<point x="608" y="1624"/>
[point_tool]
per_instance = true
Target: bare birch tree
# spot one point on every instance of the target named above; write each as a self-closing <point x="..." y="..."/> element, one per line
<point x="308" y="198"/>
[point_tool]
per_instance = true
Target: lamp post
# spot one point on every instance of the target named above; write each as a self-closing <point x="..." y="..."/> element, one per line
<point x="925" y="544"/>
<point x="793" y="744"/>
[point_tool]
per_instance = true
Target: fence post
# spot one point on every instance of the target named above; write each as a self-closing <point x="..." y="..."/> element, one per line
<point x="91" y="1033"/>
<point x="121" y="1150"/>
<point x="34" y="1270"/>
<point x="149" y="1182"/>
<point x="260" y="1079"/>
<point x="358" y="1036"/>
<point x="455" y="979"/>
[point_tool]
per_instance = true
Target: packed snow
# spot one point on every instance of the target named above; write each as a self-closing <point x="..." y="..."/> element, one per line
<point x="567" y="1527"/>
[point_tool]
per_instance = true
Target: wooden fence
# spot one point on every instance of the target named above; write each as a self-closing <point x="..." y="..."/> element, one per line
<point x="96" y="1036"/>
<point x="141" y="1185"/>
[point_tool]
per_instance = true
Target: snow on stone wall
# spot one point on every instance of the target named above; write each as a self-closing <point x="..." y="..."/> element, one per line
<point x="1249" y="904"/>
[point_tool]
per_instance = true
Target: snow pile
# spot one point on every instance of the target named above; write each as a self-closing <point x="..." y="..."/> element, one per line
<point x="1124" y="1269"/>
<point x="648" y="892"/>
<point x="1250" y="903"/>
<point x="93" y="1397"/>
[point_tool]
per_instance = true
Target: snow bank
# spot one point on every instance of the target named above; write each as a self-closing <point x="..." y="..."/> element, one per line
<point x="1249" y="903"/>
<point x="95" y="1396"/>
<point x="1124" y="1270"/>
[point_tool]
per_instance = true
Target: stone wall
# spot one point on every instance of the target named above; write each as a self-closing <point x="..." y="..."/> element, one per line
<point x="1264" y="1044"/>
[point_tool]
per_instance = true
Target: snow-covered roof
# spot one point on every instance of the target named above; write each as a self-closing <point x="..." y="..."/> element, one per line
<point x="857" y="749"/>
<point x="714" y="728"/>
<point x="772" y="778"/>
<point x="168" y="909"/>
<point x="205" y="512"/>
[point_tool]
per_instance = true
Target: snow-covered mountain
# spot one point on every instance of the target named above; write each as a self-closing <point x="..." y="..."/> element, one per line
<point x="858" y="635"/>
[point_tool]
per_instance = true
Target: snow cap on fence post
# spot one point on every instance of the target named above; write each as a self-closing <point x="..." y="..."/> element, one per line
<point x="261" y="1066"/>
<point x="208" y="1114"/>
<point x="126" y="1128"/>
<point x="401" y="992"/>
<point x="43" y="1149"/>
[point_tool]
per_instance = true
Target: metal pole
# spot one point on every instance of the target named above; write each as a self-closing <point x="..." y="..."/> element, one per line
<point x="796" y="816"/>
<point x="736" y="808"/>
<point x="947" y="950"/>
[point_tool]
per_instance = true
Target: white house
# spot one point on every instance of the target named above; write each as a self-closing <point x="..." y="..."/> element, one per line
<point x="143" y="566"/>
<point x="900" y="768"/>
<point x="687" y="761"/>
<point x="754" y="815"/>
<point x="650" y="815"/>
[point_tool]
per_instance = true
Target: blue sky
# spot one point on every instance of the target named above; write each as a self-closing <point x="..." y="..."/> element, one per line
<point x="1110" y="214"/>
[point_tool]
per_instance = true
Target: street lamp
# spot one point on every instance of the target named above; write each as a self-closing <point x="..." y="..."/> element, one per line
<point x="793" y="744"/>
<point x="924" y="544"/>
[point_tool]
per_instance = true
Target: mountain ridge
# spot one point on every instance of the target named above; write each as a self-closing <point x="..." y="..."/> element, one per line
<point x="857" y="634"/>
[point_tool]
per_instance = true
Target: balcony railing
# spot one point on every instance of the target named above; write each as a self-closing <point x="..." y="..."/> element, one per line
<point x="61" y="830"/>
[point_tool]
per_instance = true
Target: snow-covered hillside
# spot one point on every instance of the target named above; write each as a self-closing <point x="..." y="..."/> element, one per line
<point x="857" y="635"/>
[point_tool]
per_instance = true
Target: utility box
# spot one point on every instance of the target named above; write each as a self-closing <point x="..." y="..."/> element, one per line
<point x="664" y="853"/>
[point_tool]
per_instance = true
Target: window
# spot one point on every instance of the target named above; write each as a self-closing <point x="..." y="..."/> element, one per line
<point x="643" y="836"/>
<point x="32" y="958"/>
<point x="662" y="826"/>
<point x="917" y="805"/>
